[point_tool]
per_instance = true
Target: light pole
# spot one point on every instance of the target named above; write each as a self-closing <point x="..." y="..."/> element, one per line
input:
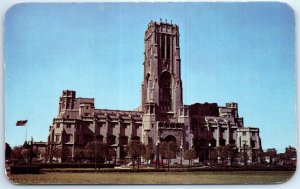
<point x="209" y="145"/>
<point x="157" y="154"/>
<point x="181" y="147"/>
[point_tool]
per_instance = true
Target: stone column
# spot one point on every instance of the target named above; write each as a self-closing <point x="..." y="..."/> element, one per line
<point x="105" y="137"/>
<point x="228" y="132"/>
<point x="145" y="137"/>
<point x="118" y="149"/>
<point x="132" y="128"/>
<point x="151" y="93"/>
<point x="118" y="132"/>
<point x="95" y="127"/>
<point x="218" y="134"/>
<point x="73" y="147"/>
<point x="208" y="144"/>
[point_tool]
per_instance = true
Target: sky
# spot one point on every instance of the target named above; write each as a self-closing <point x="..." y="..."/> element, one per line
<point x="230" y="52"/>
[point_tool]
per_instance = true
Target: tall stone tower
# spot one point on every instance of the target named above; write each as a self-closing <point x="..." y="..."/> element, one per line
<point x="162" y="84"/>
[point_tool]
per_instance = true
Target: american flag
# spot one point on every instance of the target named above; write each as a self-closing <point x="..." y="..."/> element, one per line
<point x="21" y="123"/>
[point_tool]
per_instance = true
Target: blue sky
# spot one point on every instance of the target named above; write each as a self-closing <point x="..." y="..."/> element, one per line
<point x="230" y="52"/>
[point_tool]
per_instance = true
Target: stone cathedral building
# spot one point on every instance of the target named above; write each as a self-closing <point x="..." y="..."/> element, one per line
<point x="162" y="115"/>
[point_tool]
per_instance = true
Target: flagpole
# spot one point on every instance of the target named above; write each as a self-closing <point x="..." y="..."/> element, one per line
<point x="26" y="130"/>
<point x="23" y="123"/>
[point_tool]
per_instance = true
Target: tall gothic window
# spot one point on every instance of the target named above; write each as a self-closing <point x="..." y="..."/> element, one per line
<point x="111" y="139"/>
<point x="99" y="138"/>
<point x="162" y="47"/>
<point x="123" y="140"/>
<point x="57" y="138"/>
<point x="148" y="88"/>
<point x="69" y="138"/>
<point x="165" y="91"/>
<point x="168" y="47"/>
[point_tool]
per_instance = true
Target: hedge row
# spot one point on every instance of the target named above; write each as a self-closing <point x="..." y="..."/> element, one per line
<point x="76" y="165"/>
<point x="244" y="169"/>
<point x="24" y="169"/>
<point x="157" y="170"/>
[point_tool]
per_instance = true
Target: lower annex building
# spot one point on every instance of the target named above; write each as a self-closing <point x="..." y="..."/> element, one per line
<point x="162" y="115"/>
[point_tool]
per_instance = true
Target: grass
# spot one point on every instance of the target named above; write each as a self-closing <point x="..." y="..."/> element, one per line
<point x="233" y="177"/>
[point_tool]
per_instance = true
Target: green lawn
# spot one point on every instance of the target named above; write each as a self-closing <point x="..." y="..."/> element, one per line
<point x="238" y="177"/>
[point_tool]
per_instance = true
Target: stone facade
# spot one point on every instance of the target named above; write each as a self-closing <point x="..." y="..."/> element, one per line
<point x="162" y="115"/>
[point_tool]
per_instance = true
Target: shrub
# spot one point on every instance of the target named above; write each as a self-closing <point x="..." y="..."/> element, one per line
<point x="76" y="165"/>
<point x="25" y="169"/>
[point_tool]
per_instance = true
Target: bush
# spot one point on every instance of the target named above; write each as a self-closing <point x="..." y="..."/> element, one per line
<point x="76" y="165"/>
<point x="24" y="169"/>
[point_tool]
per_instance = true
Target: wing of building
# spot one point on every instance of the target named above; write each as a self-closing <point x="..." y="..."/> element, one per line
<point x="162" y="115"/>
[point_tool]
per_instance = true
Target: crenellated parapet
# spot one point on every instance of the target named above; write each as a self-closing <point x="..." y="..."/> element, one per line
<point x="161" y="27"/>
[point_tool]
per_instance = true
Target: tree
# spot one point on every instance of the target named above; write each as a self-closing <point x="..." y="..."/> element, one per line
<point x="220" y="154"/>
<point x="149" y="152"/>
<point x="8" y="151"/>
<point x="110" y="154"/>
<point x="22" y="153"/>
<point x="243" y="155"/>
<point x="190" y="154"/>
<point x="26" y="154"/>
<point x="168" y="151"/>
<point x="135" y="149"/>
<point x="213" y="154"/>
<point x="229" y="151"/>
<point x="40" y="153"/>
<point x="96" y="150"/>
<point x="271" y="153"/>
<point x="78" y="155"/>
<point x="54" y="152"/>
<point x="256" y="156"/>
<point x="289" y="156"/>
<point x="17" y="153"/>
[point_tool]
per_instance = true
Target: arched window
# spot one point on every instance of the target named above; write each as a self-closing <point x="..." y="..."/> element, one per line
<point x="123" y="140"/>
<point x="162" y="46"/>
<point x="69" y="138"/>
<point x="148" y="87"/>
<point x="222" y="142"/>
<point x="135" y="138"/>
<point x="165" y="91"/>
<point x="99" y="138"/>
<point x="252" y="143"/>
<point x="213" y="142"/>
<point x="170" y="138"/>
<point x="111" y="139"/>
<point x="168" y="47"/>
